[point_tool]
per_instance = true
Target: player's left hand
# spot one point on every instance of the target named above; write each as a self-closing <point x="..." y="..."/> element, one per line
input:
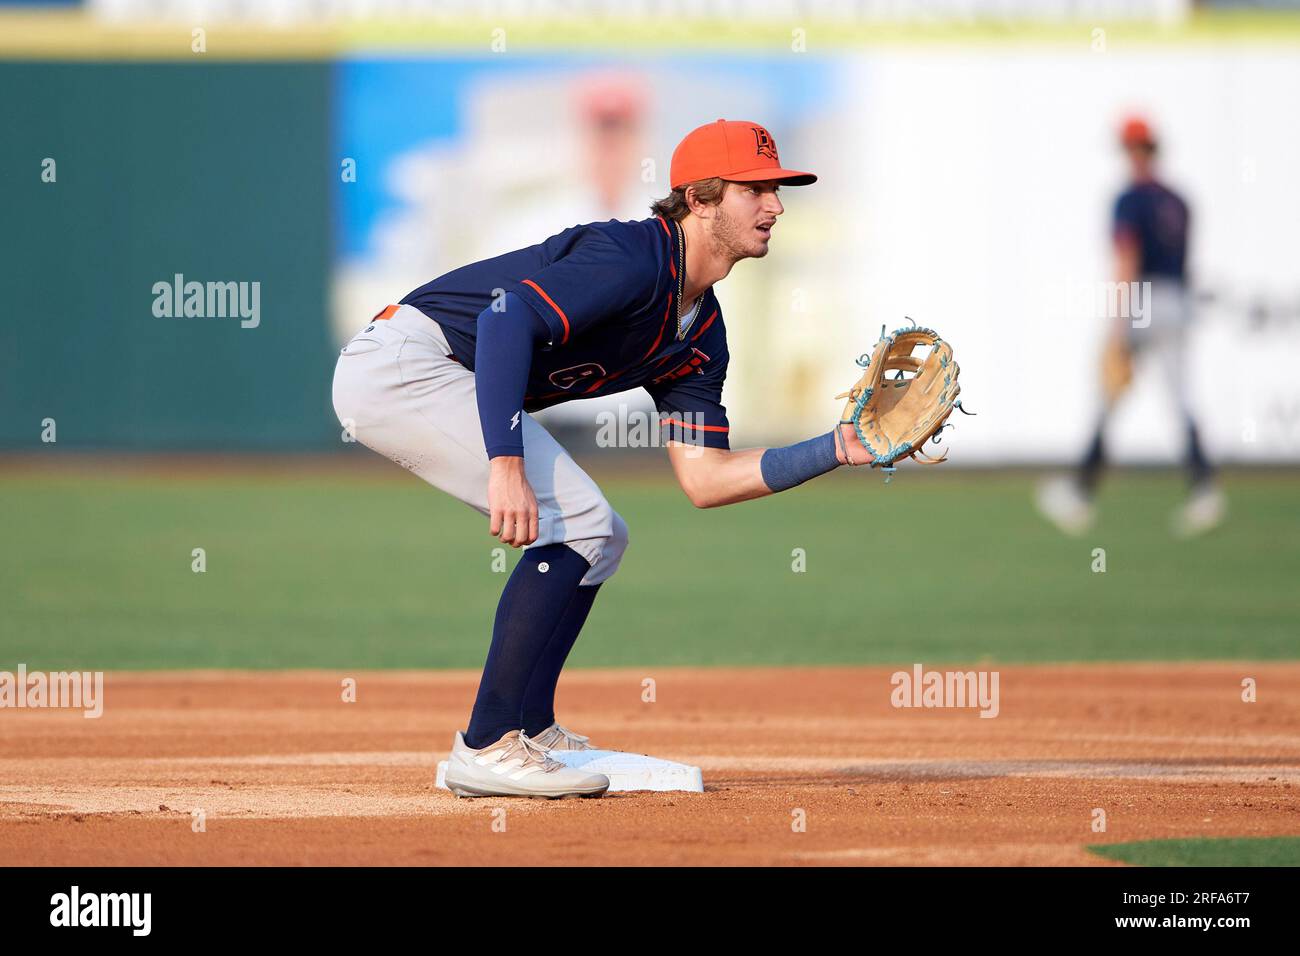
<point x="850" y="445"/>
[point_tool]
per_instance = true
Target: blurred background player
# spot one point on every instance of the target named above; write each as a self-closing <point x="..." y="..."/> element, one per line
<point x="1150" y="248"/>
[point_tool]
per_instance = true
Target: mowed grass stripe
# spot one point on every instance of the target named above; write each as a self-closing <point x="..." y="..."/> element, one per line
<point x="342" y="571"/>
<point x="1246" y="851"/>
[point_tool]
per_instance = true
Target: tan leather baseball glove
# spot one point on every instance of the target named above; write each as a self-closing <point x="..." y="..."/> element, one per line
<point x="903" y="400"/>
<point x="1116" y="368"/>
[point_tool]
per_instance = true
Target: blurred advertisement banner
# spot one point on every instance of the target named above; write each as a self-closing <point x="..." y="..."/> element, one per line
<point x="970" y="191"/>
<point x="285" y="11"/>
<point x="459" y="160"/>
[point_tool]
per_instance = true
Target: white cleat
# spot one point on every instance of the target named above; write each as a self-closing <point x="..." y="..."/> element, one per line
<point x="1063" y="503"/>
<point x="515" y="766"/>
<point x="556" y="737"/>
<point x="1203" y="510"/>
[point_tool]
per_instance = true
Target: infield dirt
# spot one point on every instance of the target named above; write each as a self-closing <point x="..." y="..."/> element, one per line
<point x="801" y="766"/>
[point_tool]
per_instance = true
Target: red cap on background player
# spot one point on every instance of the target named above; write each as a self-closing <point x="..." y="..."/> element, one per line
<point x="731" y="149"/>
<point x="1136" y="132"/>
<point x="611" y="96"/>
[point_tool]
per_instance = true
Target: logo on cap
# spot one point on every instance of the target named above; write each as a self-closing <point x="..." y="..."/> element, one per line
<point x="764" y="144"/>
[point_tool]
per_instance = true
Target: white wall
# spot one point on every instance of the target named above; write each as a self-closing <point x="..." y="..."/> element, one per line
<point x="983" y="205"/>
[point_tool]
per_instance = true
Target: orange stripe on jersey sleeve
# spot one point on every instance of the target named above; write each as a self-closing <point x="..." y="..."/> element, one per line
<point x="703" y="428"/>
<point x="551" y="302"/>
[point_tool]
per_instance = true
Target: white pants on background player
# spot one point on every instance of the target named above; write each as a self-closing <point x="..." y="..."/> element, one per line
<point x="1162" y="340"/>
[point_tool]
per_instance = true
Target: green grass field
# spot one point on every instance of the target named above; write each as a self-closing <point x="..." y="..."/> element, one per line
<point x="348" y="571"/>
<point x="1262" y="851"/>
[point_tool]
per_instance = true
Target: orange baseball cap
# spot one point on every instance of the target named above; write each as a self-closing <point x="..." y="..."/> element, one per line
<point x="731" y="149"/>
<point x="1136" y="132"/>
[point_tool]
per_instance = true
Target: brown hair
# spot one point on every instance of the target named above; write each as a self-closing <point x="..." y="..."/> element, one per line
<point x="673" y="207"/>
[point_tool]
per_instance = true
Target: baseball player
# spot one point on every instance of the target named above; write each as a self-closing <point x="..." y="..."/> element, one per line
<point x="1150" y="247"/>
<point x="443" y="384"/>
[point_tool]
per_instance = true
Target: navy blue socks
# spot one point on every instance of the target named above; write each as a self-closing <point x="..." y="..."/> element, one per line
<point x="538" y="711"/>
<point x="1093" y="460"/>
<point x="535" y="602"/>
<point x="1199" y="470"/>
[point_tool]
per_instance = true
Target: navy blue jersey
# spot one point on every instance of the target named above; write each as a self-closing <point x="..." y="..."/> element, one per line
<point x="608" y="293"/>
<point x="1156" y="217"/>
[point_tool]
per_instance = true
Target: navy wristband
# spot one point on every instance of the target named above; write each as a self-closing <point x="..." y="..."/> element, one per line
<point x="794" y="464"/>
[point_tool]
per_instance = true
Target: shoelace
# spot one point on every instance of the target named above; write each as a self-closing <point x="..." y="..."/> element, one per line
<point x="570" y="736"/>
<point x="533" y="752"/>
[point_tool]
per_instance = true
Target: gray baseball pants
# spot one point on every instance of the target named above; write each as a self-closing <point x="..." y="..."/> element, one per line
<point x="399" y="391"/>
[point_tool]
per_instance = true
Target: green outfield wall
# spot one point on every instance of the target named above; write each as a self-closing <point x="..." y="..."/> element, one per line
<point x="119" y="177"/>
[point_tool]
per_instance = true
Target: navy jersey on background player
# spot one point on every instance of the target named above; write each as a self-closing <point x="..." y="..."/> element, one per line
<point x="608" y="294"/>
<point x="1156" y="217"/>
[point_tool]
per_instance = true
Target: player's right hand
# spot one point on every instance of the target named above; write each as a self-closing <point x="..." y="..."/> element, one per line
<point x="512" y="506"/>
